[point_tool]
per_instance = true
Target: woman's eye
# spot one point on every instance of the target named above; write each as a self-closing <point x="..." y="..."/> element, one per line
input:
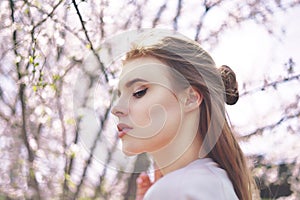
<point x="140" y="93"/>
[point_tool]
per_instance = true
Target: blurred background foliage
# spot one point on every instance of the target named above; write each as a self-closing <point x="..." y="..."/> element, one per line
<point x="43" y="44"/>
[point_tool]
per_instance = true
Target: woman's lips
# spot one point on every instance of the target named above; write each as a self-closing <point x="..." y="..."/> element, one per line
<point x="123" y="129"/>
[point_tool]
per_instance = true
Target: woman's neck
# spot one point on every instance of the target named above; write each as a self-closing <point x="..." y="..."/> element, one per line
<point x="168" y="164"/>
<point x="183" y="149"/>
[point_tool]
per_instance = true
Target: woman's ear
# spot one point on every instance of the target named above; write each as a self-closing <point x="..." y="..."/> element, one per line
<point x="192" y="99"/>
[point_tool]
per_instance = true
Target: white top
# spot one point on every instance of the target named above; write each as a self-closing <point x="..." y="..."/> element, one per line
<point x="202" y="179"/>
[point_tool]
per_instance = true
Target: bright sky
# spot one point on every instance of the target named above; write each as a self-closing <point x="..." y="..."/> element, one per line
<point x="256" y="56"/>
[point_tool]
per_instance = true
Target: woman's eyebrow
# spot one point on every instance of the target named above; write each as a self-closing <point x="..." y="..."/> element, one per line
<point x="130" y="83"/>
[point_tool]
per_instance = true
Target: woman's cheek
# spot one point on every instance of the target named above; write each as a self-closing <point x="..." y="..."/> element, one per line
<point x="148" y="116"/>
<point x="139" y="114"/>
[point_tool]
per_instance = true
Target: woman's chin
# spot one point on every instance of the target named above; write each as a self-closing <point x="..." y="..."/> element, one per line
<point x="129" y="152"/>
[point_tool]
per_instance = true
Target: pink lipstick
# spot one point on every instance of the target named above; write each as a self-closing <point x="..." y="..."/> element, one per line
<point x="123" y="129"/>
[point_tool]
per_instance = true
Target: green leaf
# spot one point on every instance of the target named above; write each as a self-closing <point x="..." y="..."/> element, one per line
<point x="34" y="88"/>
<point x="31" y="173"/>
<point x="67" y="176"/>
<point x="31" y="60"/>
<point x="69" y="181"/>
<point x="26" y="11"/>
<point x="73" y="155"/>
<point x="88" y="46"/>
<point x="53" y="86"/>
<point x="56" y="77"/>
<point x="71" y="121"/>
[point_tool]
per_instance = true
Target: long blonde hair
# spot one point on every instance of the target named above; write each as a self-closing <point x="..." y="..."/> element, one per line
<point x="216" y="86"/>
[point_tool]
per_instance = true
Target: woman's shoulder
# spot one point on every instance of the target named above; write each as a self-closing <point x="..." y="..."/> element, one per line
<point x="201" y="179"/>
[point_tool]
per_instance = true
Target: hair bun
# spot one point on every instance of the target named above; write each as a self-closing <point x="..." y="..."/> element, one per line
<point x="230" y="84"/>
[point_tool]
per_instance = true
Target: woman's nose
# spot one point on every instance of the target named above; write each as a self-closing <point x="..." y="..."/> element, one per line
<point x="119" y="111"/>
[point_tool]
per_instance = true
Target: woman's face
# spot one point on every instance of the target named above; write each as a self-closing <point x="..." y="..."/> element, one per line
<point x="148" y="110"/>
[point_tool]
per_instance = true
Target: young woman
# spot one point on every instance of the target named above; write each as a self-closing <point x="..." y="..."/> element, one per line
<point x="171" y="105"/>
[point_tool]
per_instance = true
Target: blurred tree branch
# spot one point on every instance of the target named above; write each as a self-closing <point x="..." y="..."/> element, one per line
<point x="158" y="14"/>
<point x="178" y="13"/>
<point x="42" y="48"/>
<point x="260" y="130"/>
<point x="89" y="41"/>
<point x="273" y="84"/>
<point x="32" y="182"/>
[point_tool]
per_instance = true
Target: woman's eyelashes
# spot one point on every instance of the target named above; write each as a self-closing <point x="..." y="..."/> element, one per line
<point x="140" y="93"/>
